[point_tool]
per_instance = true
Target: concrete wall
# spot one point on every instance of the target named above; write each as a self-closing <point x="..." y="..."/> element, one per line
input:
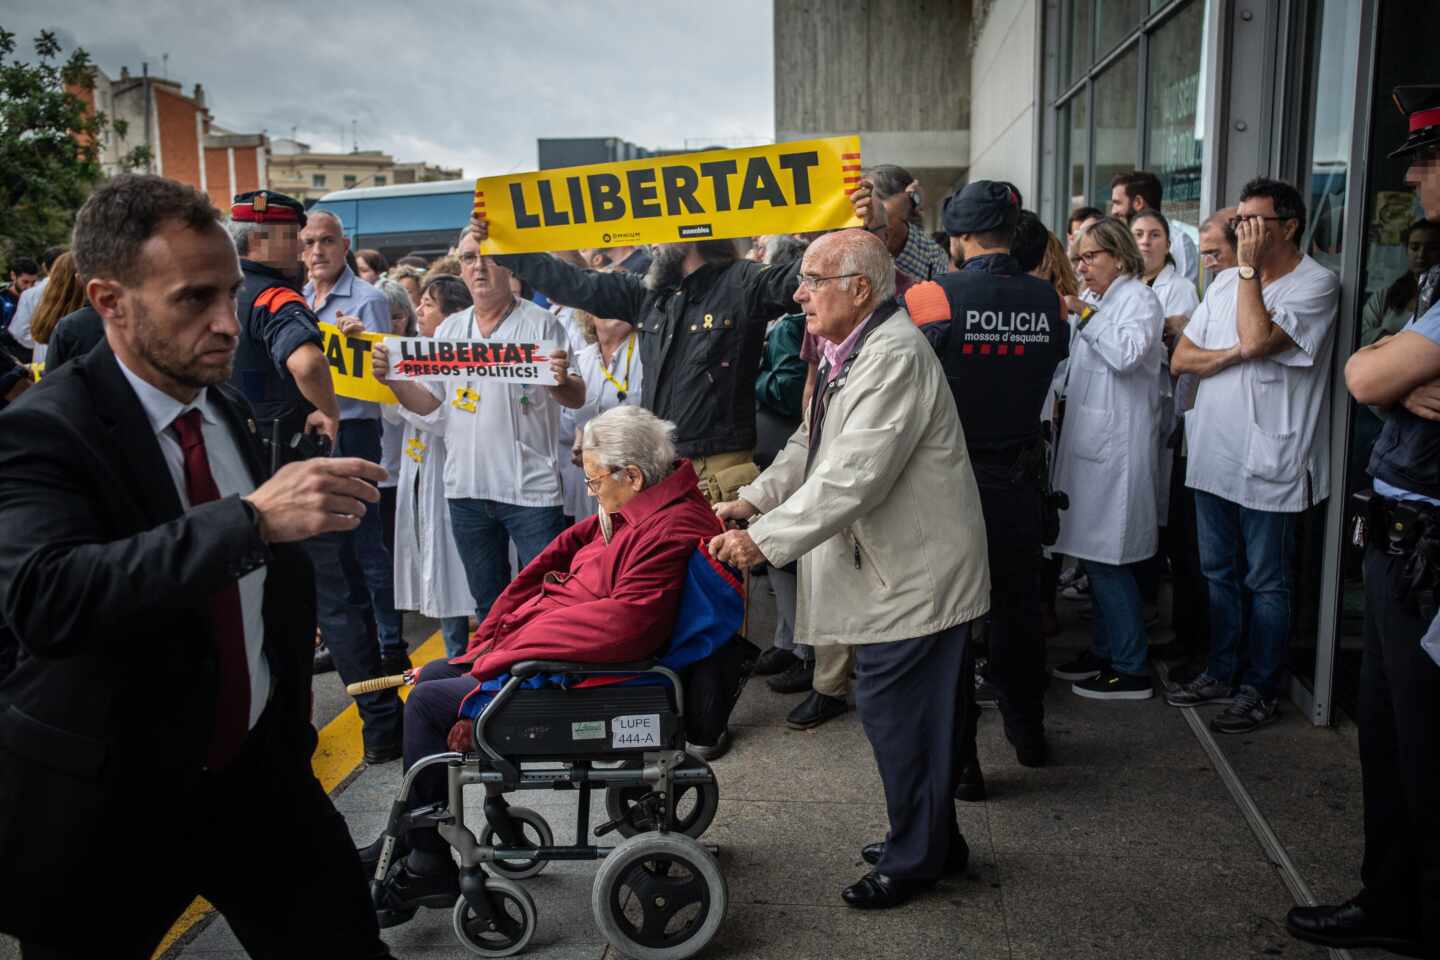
<point x="1003" y="122"/>
<point x="896" y="72"/>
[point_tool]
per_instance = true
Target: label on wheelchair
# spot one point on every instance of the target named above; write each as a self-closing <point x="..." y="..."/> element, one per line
<point x="635" y="732"/>
<point x="588" y="730"/>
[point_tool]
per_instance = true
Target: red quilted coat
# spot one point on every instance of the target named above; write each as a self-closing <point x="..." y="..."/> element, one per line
<point x="583" y="599"/>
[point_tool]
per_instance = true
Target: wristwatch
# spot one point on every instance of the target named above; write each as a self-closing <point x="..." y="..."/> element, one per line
<point x="1247" y="272"/>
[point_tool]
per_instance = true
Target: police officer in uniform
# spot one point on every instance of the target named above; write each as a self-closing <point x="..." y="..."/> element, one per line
<point x="280" y="365"/>
<point x="1000" y="333"/>
<point x="1398" y="908"/>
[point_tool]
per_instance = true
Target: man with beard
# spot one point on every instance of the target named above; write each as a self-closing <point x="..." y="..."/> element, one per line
<point x="701" y="313"/>
<point x="153" y="575"/>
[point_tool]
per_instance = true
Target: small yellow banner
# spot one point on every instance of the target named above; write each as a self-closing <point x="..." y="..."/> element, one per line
<point x="350" y="365"/>
<point x="718" y="194"/>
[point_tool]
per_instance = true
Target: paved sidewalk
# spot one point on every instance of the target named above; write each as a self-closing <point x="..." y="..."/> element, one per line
<point x="1126" y="845"/>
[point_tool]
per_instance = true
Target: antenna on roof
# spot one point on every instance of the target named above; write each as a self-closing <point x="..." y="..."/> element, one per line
<point x="354" y="136"/>
<point x="165" y="66"/>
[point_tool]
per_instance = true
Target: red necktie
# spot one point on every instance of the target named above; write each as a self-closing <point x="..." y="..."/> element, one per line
<point x="232" y="705"/>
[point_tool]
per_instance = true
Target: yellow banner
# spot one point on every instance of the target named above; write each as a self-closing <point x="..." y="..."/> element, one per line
<point x="785" y="188"/>
<point x="350" y="365"/>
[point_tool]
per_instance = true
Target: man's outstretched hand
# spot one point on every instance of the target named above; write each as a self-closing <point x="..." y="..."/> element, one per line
<point x="326" y="495"/>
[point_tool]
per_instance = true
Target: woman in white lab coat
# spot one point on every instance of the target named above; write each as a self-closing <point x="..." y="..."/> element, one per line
<point x="1178" y="299"/>
<point x="429" y="576"/>
<point x="1106" y="460"/>
<point x="611" y="369"/>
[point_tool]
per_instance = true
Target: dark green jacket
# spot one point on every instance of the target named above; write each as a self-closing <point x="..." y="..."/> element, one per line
<point x="782" y="373"/>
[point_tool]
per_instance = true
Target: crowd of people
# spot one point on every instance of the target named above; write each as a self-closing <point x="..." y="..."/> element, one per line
<point x="921" y="440"/>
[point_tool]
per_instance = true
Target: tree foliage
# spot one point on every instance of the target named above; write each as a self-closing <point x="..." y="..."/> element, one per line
<point x="50" y="142"/>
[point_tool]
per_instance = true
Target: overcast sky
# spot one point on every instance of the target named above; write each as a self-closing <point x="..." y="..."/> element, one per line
<point x="467" y="83"/>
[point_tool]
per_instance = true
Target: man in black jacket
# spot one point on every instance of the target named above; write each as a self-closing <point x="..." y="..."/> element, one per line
<point x="155" y="739"/>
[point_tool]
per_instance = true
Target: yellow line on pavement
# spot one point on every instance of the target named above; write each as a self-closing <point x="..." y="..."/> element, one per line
<point x="338" y="754"/>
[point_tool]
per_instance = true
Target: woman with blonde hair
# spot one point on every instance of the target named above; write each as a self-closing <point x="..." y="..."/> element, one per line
<point x="64" y="293"/>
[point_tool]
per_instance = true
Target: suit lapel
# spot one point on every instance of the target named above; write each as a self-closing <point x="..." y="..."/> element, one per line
<point x="242" y="427"/>
<point x="132" y="449"/>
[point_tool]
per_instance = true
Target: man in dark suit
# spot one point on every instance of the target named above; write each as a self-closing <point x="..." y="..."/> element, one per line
<point x="155" y="739"/>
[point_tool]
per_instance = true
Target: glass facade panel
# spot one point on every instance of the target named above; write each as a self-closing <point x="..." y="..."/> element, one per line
<point x="1114" y="21"/>
<point x="1175" y="134"/>
<point x="1393" y="256"/>
<point x="1080" y="51"/>
<point x="1075" y="129"/>
<point x="1116" y="137"/>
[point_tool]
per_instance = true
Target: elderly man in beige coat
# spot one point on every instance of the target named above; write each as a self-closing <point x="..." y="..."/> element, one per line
<point x="875" y="496"/>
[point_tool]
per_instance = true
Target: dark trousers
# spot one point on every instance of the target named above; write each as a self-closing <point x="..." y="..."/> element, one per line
<point x="1399" y="720"/>
<point x="430" y="711"/>
<point x="1179" y="540"/>
<point x="1017" y="648"/>
<point x="907" y="693"/>
<point x="346" y="604"/>
<point x="361" y="438"/>
<point x="259" y="840"/>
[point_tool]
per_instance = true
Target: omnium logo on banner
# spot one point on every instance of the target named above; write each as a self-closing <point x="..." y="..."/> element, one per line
<point x="717" y="194"/>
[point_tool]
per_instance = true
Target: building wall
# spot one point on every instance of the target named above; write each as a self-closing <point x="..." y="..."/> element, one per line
<point x="1003" y="94"/>
<point x="896" y="72"/>
<point x="294" y="174"/>
<point x="179" y="140"/>
<point x="217" y="178"/>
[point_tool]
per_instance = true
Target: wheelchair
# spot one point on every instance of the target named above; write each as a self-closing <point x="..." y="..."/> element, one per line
<point x="659" y="893"/>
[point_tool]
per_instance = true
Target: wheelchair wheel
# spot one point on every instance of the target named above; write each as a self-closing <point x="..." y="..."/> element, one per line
<point x="636" y="809"/>
<point x="536" y="833"/>
<point x="511" y="925"/>
<point x="659" y="896"/>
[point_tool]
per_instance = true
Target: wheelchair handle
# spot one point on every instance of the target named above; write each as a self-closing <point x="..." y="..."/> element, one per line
<point x="376" y="684"/>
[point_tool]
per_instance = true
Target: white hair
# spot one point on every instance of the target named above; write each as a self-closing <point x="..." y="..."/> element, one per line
<point x="631" y="436"/>
<point x="241" y="231"/>
<point x="861" y="252"/>
<point x="315" y="214"/>
<point x="399" y="299"/>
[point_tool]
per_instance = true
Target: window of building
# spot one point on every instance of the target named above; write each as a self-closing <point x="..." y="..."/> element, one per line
<point x="1130" y="97"/>
<point x="317" y="180"/>
<point x="349" y="180"/>
<point x="380" y="180"/>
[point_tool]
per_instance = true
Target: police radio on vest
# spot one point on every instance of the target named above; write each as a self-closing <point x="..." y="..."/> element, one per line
<point x="1008" y="321"/>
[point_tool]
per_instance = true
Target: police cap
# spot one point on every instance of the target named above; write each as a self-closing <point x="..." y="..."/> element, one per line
<point x="1419" y="103"/>
<point x="983" y="205"/>
<point x="265" y="206"/>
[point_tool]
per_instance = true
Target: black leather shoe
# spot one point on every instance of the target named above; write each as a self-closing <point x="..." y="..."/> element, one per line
<point x="324" y="663"/>
<point x="403" y="893"/>
<point x="971" y="788"/>
<point x="1031" y="748"/>
<point x="773" y="661"/>
<point x="815" y="710"/>
<point x="955" y="862"/>
<point x="384" y="752"/>
<point x="876" y="891"/>
<point x="393" y="663"/>
<point x="1350" y="925"/>
<point x="797" y="678"/>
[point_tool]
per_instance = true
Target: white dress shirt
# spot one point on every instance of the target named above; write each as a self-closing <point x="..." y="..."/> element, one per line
<point x="232" y="478"/>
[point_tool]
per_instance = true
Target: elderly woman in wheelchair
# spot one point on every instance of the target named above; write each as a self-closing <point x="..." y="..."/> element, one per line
<point x="563" y="669"/>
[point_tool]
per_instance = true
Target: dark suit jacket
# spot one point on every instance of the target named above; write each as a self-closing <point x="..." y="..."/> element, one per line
<point x="108" y="585"/>
<point x="74" y="336"/>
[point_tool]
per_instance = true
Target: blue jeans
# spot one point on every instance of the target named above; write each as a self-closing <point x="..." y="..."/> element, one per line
<point x="456" y="633"/>
<point x="1254" y="547"/>
<point x="1119" y="617"/>
<point x="483" y="531"/>
<point x="361" y="438"/>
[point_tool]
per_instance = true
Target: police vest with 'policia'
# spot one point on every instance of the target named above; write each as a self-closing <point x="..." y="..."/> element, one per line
<point x="716" y="194"/>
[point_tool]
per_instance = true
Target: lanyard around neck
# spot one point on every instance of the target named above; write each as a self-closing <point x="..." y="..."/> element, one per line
<point x="622" y="390"/>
